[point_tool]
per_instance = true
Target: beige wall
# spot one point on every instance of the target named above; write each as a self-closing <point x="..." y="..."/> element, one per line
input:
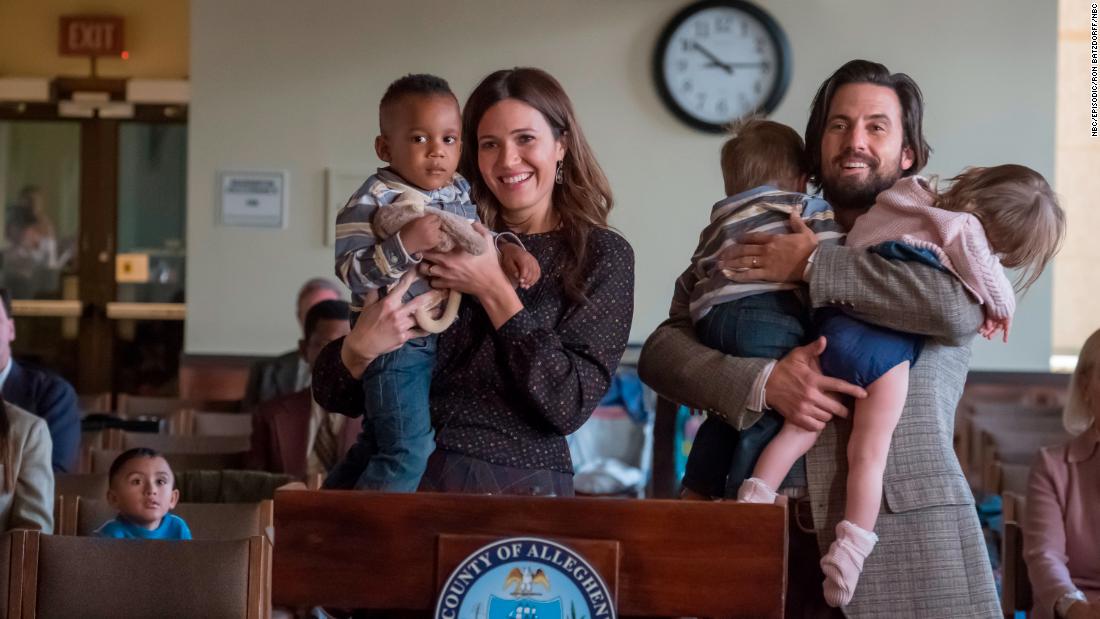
<point x="1077" y="159"/>
<point x="156" y="35"/>
<point x="288" y="85"/>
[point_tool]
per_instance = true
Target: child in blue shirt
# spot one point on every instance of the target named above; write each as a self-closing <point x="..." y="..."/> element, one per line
<point x="142" y="489"/>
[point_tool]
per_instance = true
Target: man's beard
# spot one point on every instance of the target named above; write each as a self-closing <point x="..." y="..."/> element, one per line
<point x="849" y="193"/>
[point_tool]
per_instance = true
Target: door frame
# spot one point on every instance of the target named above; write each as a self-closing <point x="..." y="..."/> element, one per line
<point x="98" y="213"/>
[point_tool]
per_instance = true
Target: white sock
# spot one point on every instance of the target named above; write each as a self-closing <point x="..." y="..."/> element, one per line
<point x="843" y="564"/>
<point x="754" y="490"/>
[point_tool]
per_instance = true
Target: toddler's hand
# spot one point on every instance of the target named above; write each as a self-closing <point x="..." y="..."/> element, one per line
<point x="991" y="326"/>
<point x="422" y="234"/>
<point x="519" y="265"/>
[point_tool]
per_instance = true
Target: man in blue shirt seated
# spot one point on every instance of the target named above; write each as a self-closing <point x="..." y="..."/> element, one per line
<point x="40" y="392"/>
<point x="142" y="489"/>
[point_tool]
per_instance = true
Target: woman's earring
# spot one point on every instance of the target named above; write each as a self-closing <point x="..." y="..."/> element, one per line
<point x="559" y="175"/>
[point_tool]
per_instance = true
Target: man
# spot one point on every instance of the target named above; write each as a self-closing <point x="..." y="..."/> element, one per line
<point x="863" y="134"/>
<point x="40" y="392"/>
<point x="289" y="372"/>
<point x="291" y="434"/>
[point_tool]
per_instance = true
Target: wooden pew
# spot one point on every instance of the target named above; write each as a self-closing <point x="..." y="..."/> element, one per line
<point x="1015" y="585"/>
<point x="391" y="551"/>
<point x="64" y="576"/>
<point x="213" y="521"/>
<point x="1022" y="428"/>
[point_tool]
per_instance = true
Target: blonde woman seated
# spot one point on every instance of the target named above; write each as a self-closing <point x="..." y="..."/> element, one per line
<point x="26" y="475"/>
<point x="1061" y="536"/>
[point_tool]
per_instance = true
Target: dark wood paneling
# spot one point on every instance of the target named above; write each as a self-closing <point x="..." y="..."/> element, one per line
<point x="376" y="550"/>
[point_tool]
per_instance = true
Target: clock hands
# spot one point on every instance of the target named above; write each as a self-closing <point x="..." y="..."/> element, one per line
<point x="728" y="67"/>
<point x="714" y="61"/>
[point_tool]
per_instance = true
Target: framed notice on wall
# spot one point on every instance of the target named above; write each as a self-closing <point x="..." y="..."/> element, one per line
<point x="252" y="199"/>
<point x="339" y="186"/>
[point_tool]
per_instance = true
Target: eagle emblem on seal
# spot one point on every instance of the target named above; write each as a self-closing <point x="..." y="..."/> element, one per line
<point x="525" y="580"/>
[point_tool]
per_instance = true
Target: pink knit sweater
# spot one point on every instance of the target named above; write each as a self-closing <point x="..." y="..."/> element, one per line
<point x="905" y="213"/>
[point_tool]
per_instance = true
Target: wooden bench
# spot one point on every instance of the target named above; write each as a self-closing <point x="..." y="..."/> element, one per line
<point x="212" y="521"/>
<point x="1015" y="585"/>
<point x="64" y="576"/>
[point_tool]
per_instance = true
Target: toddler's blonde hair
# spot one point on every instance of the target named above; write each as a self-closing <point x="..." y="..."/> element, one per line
<point x="1019" y="211"/>
<point x="762" y="152"/>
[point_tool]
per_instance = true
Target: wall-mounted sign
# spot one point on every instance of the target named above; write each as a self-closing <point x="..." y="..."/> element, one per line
<point x="524" y="577"/>
<point x="254" y="199"/>
<point x="132" y="268"/>
<point x="90" y="35"/>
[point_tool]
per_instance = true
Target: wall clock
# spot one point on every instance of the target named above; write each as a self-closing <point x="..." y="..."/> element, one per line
<point x="720" y="60"/>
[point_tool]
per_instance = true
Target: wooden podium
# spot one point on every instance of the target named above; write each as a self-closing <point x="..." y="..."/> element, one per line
<point x="658" y="558"/>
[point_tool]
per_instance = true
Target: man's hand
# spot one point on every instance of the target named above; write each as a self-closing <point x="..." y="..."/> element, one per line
<point x="1084" y="610"/>
<point x="519" y="265"/>
<point x="759" y="256"/>
<point x="422" y="234"/>
<point x="804" y="396"/>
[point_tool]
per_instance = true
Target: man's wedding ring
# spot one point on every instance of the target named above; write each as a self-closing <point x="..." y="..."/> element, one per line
<point x="754" y="262"/>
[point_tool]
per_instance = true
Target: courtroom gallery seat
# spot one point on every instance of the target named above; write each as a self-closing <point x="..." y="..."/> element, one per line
<point x="212" y="521"/>
<point x="95" y="578"/>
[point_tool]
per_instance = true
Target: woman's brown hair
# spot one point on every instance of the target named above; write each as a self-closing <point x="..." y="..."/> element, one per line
<point x="1019" y="212"/>
<point x="583" y="200"/>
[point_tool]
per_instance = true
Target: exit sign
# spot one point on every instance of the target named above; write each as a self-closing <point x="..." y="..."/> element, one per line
<point x="91" y="35"/>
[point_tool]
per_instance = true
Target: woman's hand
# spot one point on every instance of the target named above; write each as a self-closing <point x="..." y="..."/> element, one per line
<point x="481" y="276"/>
<point x="458" y="270"/>
<point x="759" y="256"/>
<point x="383" y="327"/>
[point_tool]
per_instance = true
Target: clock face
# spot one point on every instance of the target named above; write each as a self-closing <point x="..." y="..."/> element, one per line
<point x="718" y="61"/>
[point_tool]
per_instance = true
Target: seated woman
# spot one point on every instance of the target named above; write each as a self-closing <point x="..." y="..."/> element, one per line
<point x="26" y="477"/>
<point x="1061" y="539"/>
<point x="519" y="369"/>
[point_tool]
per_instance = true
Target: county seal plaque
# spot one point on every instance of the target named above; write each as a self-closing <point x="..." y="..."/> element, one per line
<point x="524" y="578"/>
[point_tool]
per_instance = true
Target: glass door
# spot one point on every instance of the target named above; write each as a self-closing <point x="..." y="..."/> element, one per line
<point x="148" y="309"/>
<point x="40" y="184"/>
<point x="93" y="248"/>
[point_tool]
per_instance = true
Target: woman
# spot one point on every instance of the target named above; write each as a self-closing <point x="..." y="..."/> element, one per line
<point x="519" y="369"/>
<point x="1061" y="539"/>
<point x="26" y="476"/>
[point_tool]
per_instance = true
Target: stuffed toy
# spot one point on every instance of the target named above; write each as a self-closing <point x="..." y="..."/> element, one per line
<point x="457" y="232"/>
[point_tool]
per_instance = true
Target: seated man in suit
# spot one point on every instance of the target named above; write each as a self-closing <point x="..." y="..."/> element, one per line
<point x="41" y="392"/>
<point x="292" y="434"/>
<point x="289" y="372"/>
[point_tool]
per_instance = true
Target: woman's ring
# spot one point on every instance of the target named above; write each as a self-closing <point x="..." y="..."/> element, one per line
<point x="754" y="262"/>
<point x="430" y="267"/>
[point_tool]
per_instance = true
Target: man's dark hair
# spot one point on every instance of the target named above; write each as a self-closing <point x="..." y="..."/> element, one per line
<point x="5" y="298"/>
<point x="126" y="456"/>
<point x="421" y="84"/>
<point x="331" y="309"/>
<point x="867" y="72"/>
